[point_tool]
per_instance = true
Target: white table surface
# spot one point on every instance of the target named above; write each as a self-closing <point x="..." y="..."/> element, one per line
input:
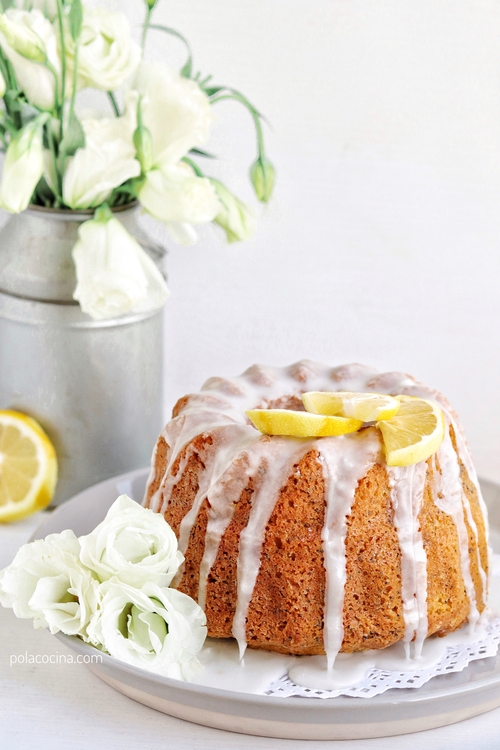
<point x="56" y="706"/>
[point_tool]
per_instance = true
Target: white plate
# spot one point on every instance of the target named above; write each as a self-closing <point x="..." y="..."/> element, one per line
<point x="443" y="700"/>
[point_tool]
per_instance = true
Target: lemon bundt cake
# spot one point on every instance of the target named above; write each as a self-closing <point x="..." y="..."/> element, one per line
<point x="316" y="545"/>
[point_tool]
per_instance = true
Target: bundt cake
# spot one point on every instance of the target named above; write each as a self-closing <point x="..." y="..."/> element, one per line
<point x="313" y="546"/>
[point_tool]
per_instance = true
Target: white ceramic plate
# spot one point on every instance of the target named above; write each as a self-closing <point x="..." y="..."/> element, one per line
<point x="443" y="700"/>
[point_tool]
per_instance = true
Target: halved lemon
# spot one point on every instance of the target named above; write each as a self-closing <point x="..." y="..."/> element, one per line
<point x="368" y="407"/>
<point x="414" y="434"/>
<point x="300" y="423"/>
<point x="28" y="467"/>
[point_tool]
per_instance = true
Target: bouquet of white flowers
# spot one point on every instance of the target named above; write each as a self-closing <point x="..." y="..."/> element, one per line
<point x="147" y="151"/>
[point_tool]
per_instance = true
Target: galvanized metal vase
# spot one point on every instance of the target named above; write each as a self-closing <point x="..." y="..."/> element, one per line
<point x="95" y="386"/>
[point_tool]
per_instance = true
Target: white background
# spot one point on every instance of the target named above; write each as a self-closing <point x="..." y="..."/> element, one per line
<point x="382" y="244"/>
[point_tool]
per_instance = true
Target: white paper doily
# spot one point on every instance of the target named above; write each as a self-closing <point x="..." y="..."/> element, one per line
<point x="456" y="658"/>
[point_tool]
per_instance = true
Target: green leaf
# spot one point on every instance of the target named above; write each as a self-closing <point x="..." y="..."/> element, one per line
<point x="200" y="152"/>
<point x="27" y="112"/>
<point x="6" y="4"/>
<point x="73" y="138"/>
<point x="75" y="19"/>
<point x="44" y="193"/>
<point x="12" y="101"/>
<point x="187" y="68"/>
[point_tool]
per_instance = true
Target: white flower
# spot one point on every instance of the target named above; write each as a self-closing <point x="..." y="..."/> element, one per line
<point x="107" y="55"/>
<point x="23" y="168"/>
<point x="28" y="38"/>
<point x="175" y="111"/>
<point x="47" y="7"/>
<point x="234" y="217"/>
<point x="47" y="582"/>
<point x="114" y="274"/>
<point x="175" y="195"/>
<point x="134" y="544"/>
<point x="106" y="161"/>
<point x="155" y="628"/>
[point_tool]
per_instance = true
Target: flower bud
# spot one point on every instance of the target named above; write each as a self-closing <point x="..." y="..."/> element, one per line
<point x="262" y="175"/>
<point x="235" y="218"/>
<point x="3" y="86"/>
<point x="22" y="40"/>
<point x="151" y="3"/>
<point x="23" y="167"/>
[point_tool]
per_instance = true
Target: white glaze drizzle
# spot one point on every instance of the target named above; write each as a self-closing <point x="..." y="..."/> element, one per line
<point x="447" y="495"/>
<point x="222" y="498"/>
<point x="465" y="458"/>
<point x="407" y="492"/>
<point x="282" y="454"/>
<point x="345" y="461"/>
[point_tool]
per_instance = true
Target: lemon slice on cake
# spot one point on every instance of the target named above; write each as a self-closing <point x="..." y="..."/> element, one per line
<point x="28" y="467"/>
<point x="301" y="423"/>
<point x="414" y="434"/>
<point x="368" y="407"/>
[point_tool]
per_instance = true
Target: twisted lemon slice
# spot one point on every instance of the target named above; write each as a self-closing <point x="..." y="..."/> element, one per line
<point x="28" y="466"/>
<point x="414" y="434"/>
<point x="301" y="423"/>
<point x="368" y="407"/>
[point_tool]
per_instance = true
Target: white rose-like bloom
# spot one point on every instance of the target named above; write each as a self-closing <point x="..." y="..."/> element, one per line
<point x="158" y="629"/>
<point x="107" y="55"/>
<point x="106" y="161"/>
<point x="134" y="544"/>
<point x="175" y="111"/>
<point x="114" y="274"/>
<point x="47" y="7"/>
<point x="26" y="30"/>
<point x="23" y="168"/>
<point x="175" y="195"/>
<point x="47" y="582"/>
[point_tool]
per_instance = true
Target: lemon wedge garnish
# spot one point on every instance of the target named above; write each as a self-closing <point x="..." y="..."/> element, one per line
<point x="414" y="434"/>
<point x="28" y="467"/>
<point x="300" y="423"/>
<point x="368" y="407"/>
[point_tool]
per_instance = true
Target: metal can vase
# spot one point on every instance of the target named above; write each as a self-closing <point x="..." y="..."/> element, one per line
<point x="95" y="386"/>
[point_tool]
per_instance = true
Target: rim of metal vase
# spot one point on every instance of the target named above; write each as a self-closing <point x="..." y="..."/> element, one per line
<point x="67" y="214"/>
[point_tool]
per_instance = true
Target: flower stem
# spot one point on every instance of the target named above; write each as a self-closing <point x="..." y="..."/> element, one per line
<point x="114" y="103"/>
<point x="57" y="177"/>
<point x="256" y="116"/>
<point x="145" y="28"/>
<point x="75" y="79"/>
<point x="63" y="58"/>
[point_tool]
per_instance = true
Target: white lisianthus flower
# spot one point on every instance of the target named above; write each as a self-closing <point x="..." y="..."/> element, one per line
<point x="158" y="629"/>
<point x="23" y="167"/>
<point x="175" y="110"/>
<point x="106" y="161"/>
<point x="47" y="7"/>
<point x="234" y="217"/>
<point x="27" y="39"/>
<point x="107" y="55"/>
<point x="47" y="582"/>
<point x="133" y="544"/>
<point x="175" y="195"/>
<point x="114" y="274"/>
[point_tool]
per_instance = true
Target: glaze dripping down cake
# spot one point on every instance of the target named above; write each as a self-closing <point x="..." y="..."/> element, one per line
<point x="315" y="545"/>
